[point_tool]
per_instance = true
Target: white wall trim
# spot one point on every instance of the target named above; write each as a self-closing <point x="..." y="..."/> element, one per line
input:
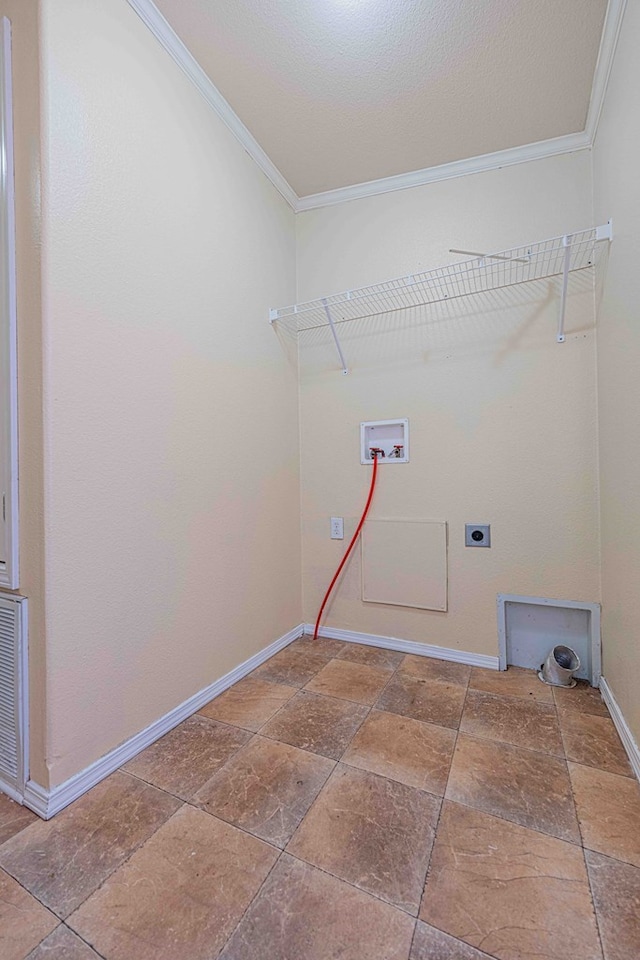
<point x="162" y="31"/>
<point x="621" y="725"/>
<point x="46" y="803"/>
<point x="9" y="538"/>
<point x="570" y="143"/>
<point x="608" y="43"/>
<point x="407" y="646"/>
<point x="448" y="171"/>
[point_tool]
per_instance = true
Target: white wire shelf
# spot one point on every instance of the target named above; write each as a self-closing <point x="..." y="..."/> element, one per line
<point x="556" y="257"/>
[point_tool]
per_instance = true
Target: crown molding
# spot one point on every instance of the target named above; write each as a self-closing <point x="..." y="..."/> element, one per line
<point x="606" y="53"/>
<point x="153" y="19"/>
<point x="163" y="32"/>
<point x="447" y="171"/>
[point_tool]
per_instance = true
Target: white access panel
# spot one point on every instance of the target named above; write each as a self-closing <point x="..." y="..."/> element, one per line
<point x="404" y="563"/>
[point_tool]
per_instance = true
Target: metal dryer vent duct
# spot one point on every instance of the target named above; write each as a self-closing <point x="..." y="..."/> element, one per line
<point x="559" y="667"/>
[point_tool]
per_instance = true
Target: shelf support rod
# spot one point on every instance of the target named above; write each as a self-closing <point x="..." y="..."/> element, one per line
<point x="335" y="336"/>
<point x="565" y="283"/>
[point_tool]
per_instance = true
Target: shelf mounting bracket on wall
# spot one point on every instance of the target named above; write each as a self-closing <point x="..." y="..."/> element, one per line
<point x="542" y="260"/>
<point x="604" y="232"/>
<point x="566" y="243"/>
<point x="327" y="310"/>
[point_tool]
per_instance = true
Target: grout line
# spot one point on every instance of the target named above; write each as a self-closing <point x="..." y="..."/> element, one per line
<point x="252" y="900"/>
<point x="446" y="787"/>
<point x="509" y="743"/>
<point x="65" y="919"/>
<point x="80" y="937"/>
<point x="228" y="823"/>
<point x="119" y="866"/>
<point x="354" y="886"/>
<point x="74" y="933"/>
<point x="593" y="902"/>
<point x="514" y="823"/>
<point x="413" y="936"/>
<point x="148" y="783"/>
<point x="374" y="773"/>
<point x="481" y="953"/>
<point x="245" y="830"/>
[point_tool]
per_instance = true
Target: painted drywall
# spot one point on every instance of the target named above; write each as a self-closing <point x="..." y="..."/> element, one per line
<point x="23" y="15"/>
<point x="338" y="93"/>
<point x="171" y="455"/>
<point x="502" y="418"/>
<point x="617" y="195"/>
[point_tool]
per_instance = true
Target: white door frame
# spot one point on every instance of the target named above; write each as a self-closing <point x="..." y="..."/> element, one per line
<point x="9" y="560"/>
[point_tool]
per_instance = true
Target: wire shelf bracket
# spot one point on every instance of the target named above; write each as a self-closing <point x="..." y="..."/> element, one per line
<point x="545" y="259"/>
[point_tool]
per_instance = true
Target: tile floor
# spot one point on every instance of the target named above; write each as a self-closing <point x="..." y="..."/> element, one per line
<point x="345" y="803"/>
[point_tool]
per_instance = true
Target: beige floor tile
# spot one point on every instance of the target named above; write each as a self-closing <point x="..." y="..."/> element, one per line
<point x="582" y="698"/>
<point x="513" y="682"/>
<point x="594" y="741"/>
<point x="180" y="895"/>
<point x="608" y="809"/>
<point x="509" y="891"/>
<point x="432" y="944"/>
<point x="527" y="787"/>
<point x="13" y="818"/>
<point x="525" y="723"/>
<point x="350" y="681"/>
<point x="65" y="859"/>
<point x="23" y="921"/>
<point x="325" y="647"/>
<point x="304" y="914"/>
<point x="248" y="703"/>
<point x="373" y="656"/>
<point x="292" y="667"/>
<point x="266" y="789"/>
<point x="429" y="668"/>
<point x="415" y="753"/>
<point x="432" y="701"/>
<point x="616" y="895"/>
<point x="186" y="757"/>
<point x="320" y="724"/>
<point x="372" y="832"/>
<point x="63" y="944"/>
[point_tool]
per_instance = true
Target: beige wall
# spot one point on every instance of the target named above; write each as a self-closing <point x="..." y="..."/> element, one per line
<point x="169" y="490"/>
<point x="172" y="503"/>
<point x="23" y="15"/>
<point x="502" y="418"/>
<point x="617" y="195"/>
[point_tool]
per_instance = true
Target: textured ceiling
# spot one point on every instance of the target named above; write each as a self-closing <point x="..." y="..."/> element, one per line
<point x="339" y="92"/>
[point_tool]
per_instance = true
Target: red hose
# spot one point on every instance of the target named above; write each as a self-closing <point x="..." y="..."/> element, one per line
<point x="350" y="547"/>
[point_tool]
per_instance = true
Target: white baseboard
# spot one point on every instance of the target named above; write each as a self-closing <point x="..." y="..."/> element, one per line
<point x="46" y="803"/>
<point x="628" y="741"/>
<point x="408" y="646"/>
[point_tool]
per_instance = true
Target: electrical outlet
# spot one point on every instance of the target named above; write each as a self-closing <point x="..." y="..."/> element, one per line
<point x="337" y="528"/>
<point x="477" y="535"/>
